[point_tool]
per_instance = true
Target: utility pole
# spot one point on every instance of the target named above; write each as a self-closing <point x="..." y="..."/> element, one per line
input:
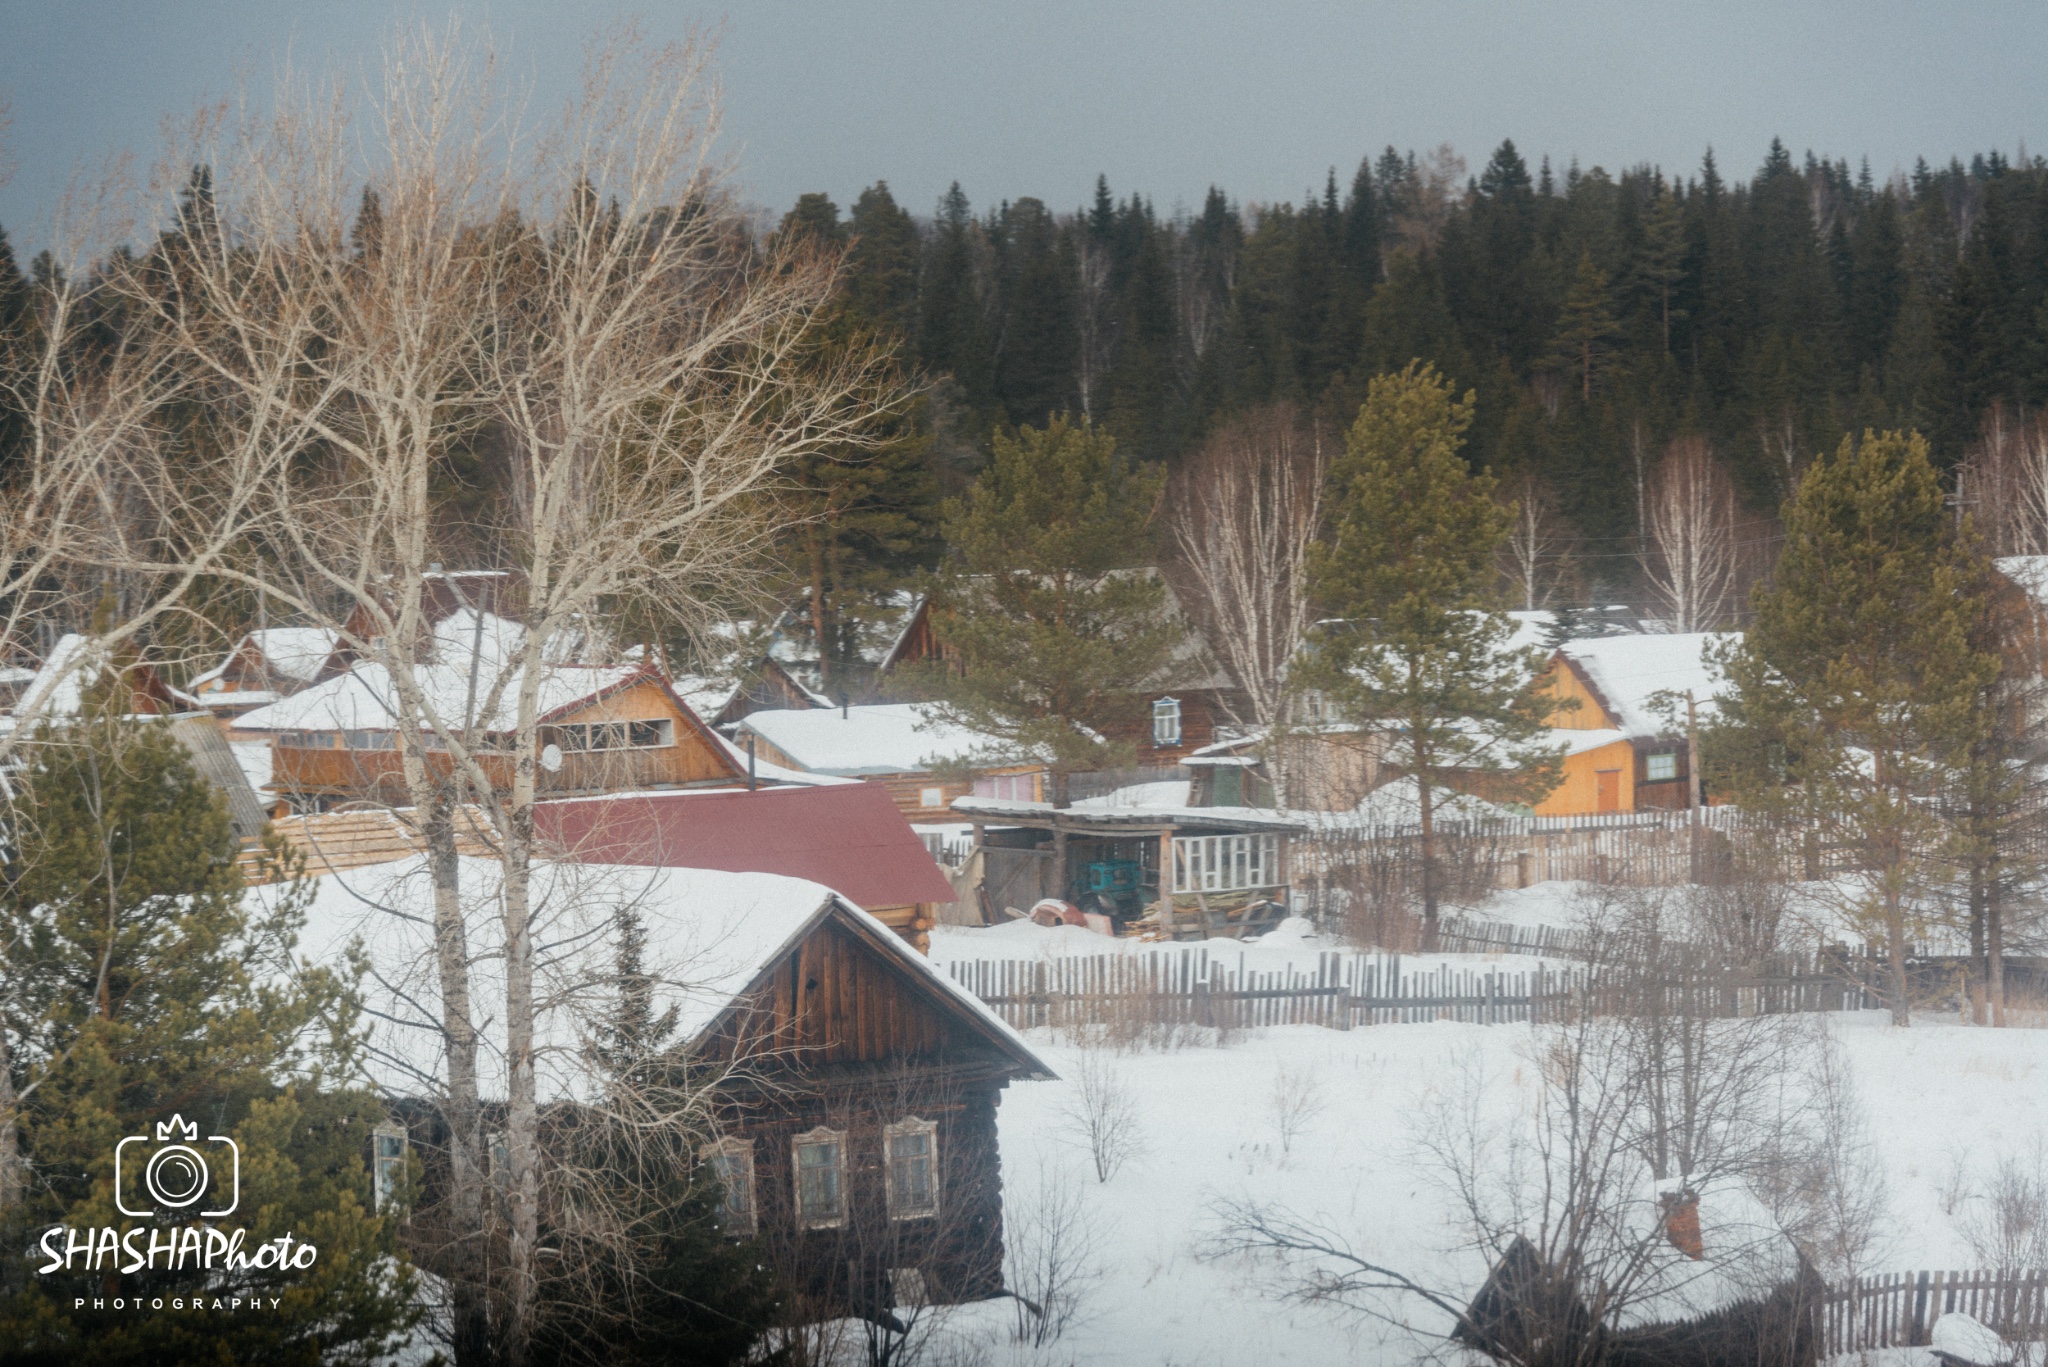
<point x="1694" y="790"/>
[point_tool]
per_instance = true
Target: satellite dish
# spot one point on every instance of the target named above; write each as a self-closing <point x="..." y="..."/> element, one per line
<point x="551" y="758"/>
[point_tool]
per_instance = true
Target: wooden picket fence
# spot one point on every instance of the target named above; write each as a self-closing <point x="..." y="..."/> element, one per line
<point x="1342" y="991"/>
<point x="1347" y="990"/>
<point x="1899" y="1311"/>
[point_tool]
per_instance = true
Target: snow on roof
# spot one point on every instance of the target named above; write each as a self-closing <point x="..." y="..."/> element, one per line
<point x="2029" y="572"/>
<point x="74" y="662"/>
<point x="709" y="936"/>
<point x="1630" y="670"/>
<point x="1171" y="792"/>
<point x="60" y="683"/>
<point x="1530" y="628"/>
<point x="365" y="698"/>
<point x="295" y="653"/>
<point x="1398" y="803"/>
<point x="704" y="694"/>
<point x="880" y="738"/>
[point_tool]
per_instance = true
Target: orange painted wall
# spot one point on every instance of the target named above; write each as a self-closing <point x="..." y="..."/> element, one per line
<point x="1578" y="794"/>
<point x="1589" y="715"/>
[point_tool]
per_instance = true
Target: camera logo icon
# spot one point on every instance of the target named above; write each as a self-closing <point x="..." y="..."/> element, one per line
<point x="176" y="1173"/>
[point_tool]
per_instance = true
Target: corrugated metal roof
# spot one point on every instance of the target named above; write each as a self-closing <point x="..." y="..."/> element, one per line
<point x="849" y="837"/>
<point x="201" y="736"/>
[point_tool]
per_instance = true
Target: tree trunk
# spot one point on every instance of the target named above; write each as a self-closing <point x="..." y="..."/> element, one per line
<point x="1994" y="953"/>
<point x="1429" y="907"/>
<point x="1895" y="946"/>
<point x="1980" y="968"/>
<point x="462" y="1108"/>
<point x="817" y="540"/>
<point x="10" y="1143"/>
<point x="522" y="1119"/>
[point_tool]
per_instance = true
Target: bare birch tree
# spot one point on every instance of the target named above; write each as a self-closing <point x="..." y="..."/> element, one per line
<point x="104" y="529"/>
<point x="1535" y="542"/>
<point x="1689" y="546"/>
<point x="1243" y="513"/>
<point x="593" y="316"/>
<point x="2004" y="482"/>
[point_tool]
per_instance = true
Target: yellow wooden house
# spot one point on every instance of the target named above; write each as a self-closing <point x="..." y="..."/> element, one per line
<point x="1624" y="742"/>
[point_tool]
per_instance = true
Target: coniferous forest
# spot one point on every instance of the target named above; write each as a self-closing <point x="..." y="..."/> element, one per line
<point x="1597" y="316"/>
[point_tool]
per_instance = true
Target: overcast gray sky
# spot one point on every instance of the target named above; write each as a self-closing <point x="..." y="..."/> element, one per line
<point x="1037" y="96"/>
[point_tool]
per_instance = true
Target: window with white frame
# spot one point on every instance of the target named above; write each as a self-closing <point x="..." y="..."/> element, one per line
<point x="1225" y="863"/>
<point x="387" y="1162"/>
<point x="1008" y="787"/>
<point x="1661" y="768"/>
<point x="1166" y="721"/>
<point x="911" y="1168"/>
<point x="732" y="1160"/>
<point x="931" y="797"/>
<point x="821" y="1178"/>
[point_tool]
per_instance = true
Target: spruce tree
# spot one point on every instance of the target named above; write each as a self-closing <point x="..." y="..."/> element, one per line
<point x="139" y="983"/>
<point x="1417" y="649"/>
<point x="1858" y="690"/>
<point x="1051" y="617"/>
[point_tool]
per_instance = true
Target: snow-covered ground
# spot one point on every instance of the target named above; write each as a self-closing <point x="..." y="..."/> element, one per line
<point x="1935" y="1096"/>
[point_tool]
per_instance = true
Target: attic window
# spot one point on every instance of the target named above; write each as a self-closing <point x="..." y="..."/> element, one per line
<point x="1166" y="722"/>
<point x="1661" y="768"/>
<point x="732" y="1159"/>
<point x="931" y="797"/>
<point x="582" y="737"/>
<point x="912" y="1174"/>
<point x="821" y="1178"/>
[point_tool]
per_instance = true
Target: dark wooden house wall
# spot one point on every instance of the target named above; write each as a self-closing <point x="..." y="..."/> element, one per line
<point x="959" y="1249"/>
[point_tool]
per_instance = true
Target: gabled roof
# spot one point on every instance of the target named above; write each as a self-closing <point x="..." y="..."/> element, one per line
<point x="365" y="698"/>
<point x="847" y="836"/>
<point x="1625" y="672"/>
<point x="710" y="937"/>
<point x="59" y="686"/>
<point x="875" y="738"/>
<point x="292" y="654"/>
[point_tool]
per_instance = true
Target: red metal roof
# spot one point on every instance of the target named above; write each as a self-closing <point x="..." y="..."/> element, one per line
<point x="848" y="836"/>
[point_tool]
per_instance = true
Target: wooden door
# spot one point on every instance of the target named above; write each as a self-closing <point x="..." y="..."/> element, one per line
<point x="1607" y="790"/>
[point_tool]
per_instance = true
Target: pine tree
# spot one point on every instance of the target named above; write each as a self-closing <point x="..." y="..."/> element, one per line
<point x="139" y="983"/>
<point x="1417" y="650"/>
<point x="1586" y="328"/>
<point x="1858" y="689"/>
<point x="1049" y="611"/>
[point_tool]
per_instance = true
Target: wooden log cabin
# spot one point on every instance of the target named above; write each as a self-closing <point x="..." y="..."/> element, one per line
<point x="856" y="1139"/>
<point x="862" y="1146"/>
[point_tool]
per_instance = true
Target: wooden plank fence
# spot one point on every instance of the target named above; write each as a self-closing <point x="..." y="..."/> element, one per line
<point x="1342" y="991"/>
<point x="1899" y="1311"/>
<point x="1347" y="990"/>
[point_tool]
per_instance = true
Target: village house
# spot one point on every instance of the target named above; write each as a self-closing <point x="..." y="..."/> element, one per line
<point x="857" y="1137"/>
<point x="1146" y="854"/>
<point x="897" y="746"/>
<point x="604" y="728"/>
<point x="1625" y="744"/>
<point x="264" y="667"/>
<point x="1181" y="710"/>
